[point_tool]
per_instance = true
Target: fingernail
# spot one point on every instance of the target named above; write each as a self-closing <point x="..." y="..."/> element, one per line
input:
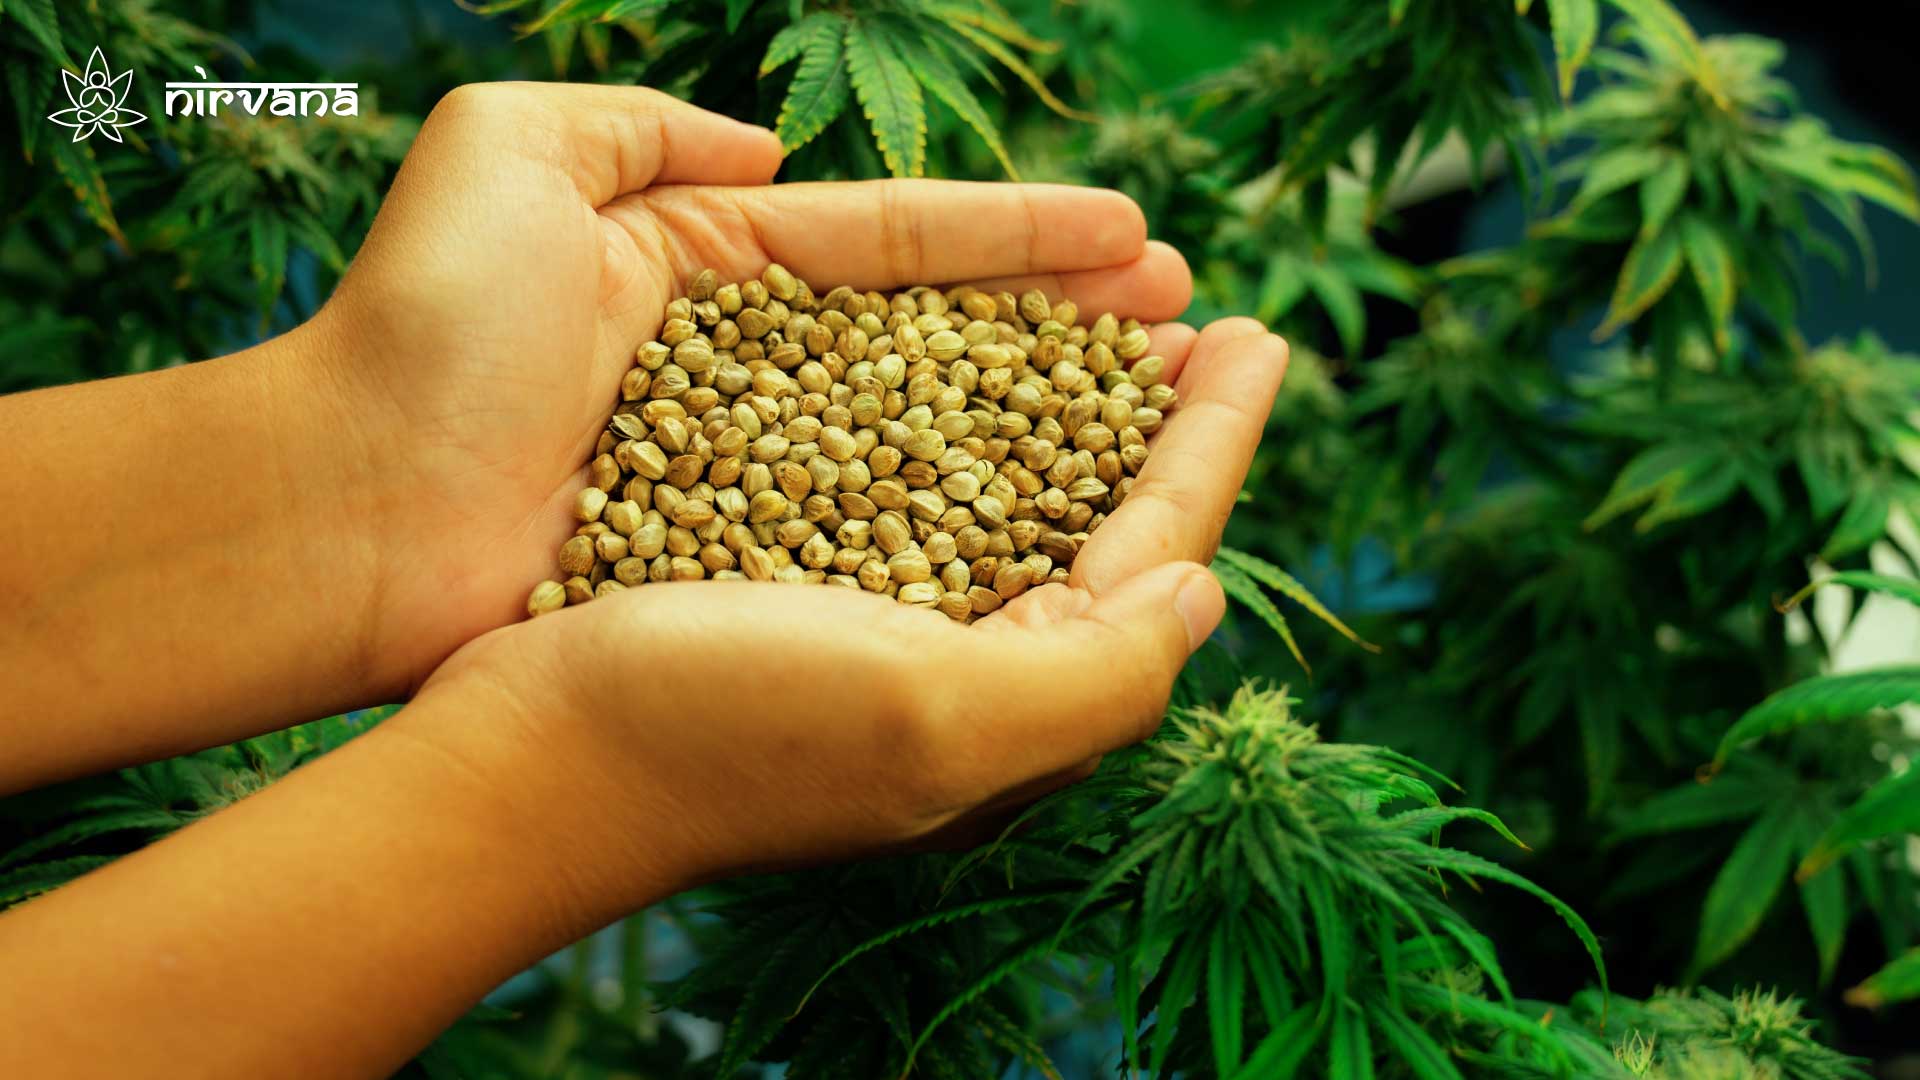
<point x="1200" y="604"/>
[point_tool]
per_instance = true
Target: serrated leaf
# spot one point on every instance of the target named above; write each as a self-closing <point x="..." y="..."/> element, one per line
<point x="1745" y="887"/>
<point x="793" y="39"/>
<point x="1461" y="862"/>
<point x="994" y="48"/>
<point x="820" y="87"/>
<point x="890" y="96"/>
<point x="1648" y="273"/>
<point x="35" y="878"/>
<point x="1575" y="24"/>
<point x="1820" y="700"/>
<point x="943" y="81"/>
<point x="42" y="23"/>
<point x="89" y="827"/>
<point x="1238" y="586"/>
<point x="76" y="165"/>
<point x="1286" y="585"/>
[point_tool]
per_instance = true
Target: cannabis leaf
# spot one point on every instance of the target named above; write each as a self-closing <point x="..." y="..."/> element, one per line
<point x="890" y="96"/>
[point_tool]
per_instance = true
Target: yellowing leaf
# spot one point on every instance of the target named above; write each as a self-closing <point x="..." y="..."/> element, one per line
<point x="1575" y="23"/>
<point x="819" y="90"/>
<point x="1713" y="271"/>
<point x="1650" y="270"/>
<point x="994" y="48"/>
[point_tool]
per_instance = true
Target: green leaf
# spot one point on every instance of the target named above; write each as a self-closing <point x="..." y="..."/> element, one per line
<point x="1745" y="887"/>
<point x="1905" y="588"/>
<point x="1349" y="1051"/>
<point x="1825" y="699"/>
<point x="945" y="916"/>
<point x="737" y="13"/>
<point x="1824" y="899"/>
<point x="1424" y="1058"/>
<point x="1889" y="808"/>
<point x="1662" y="193"/>
<point x="820" y="88"/>
<point x="1608" y="172"/>
<point x="1713" y="271"/>
<point x="1285" y="584"/>
<point x="937" y="73"/>
<point x="1698" y="805"/>
<point x="267" y="236"/>
<point x="994" y="48"/>
<point x="86" y="828"/>
<point x="1342" y="303"/>
<point x="35" y="878"/>
<point x="1461" y="862"/>
<point x="1237" y="585"/>
<point x="76" y="165"/>
<point x="42" y="24"/>
<point x="1649" y="272"/>
<point x="1575" y="24"/>
<point x="1226" y="993"/>
<point x="1863" y="522"/>
<point x="793" y="39"/>
<point x="1675" y="477"/>
<point x="1898" y="981"/>
<point x="1279" y="1055"/>
<point x="890" y="96"/>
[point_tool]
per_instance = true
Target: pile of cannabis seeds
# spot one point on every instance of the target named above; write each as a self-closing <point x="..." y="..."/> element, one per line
<point x="946" y="448"/>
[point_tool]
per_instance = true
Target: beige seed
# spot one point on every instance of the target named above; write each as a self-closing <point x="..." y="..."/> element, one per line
<point x="577" y="555"/>
<point x="548" y="596"/>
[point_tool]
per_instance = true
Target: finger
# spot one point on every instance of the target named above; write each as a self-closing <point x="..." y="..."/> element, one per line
<point x="607" y="140"/>
<point x="1155" y="286"/>
<point x="1174" y="341"/>
<point x="1180" y="502"/>
<point x="881" y="234"/>
<point x="1095" y="681"/>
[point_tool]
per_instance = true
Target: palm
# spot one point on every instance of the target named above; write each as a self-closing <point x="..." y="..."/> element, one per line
<point x="560" y="265"/>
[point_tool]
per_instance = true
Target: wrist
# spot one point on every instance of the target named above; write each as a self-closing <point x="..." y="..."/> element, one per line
<point x="347" y="472"/>
<point x="569" y="802"/>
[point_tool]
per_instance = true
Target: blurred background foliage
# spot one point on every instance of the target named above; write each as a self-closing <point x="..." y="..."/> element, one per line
<point x="1599" y="356"/>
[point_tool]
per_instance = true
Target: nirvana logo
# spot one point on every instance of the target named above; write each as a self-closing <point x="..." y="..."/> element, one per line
<point x="97" y="99"/>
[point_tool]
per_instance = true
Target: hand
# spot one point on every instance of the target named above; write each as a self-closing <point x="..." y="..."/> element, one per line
<point x="673" y="733"/>
<point x="529" y="245"/>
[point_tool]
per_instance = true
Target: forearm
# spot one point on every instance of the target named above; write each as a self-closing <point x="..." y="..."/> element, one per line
<point x="190" y="558"/>
<point x="338" y="920"/>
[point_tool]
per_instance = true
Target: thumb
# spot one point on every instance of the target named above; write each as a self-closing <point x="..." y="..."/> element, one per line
<point x="1099" y="677"/>
<point x="608" y="140"/>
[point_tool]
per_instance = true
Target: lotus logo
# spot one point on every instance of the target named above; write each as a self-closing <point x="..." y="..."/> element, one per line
<point x="97" y="98"/>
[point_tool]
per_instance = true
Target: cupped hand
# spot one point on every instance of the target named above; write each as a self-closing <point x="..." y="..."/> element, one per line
<point x="530" y="243"/>
<point x="693" y="730"/>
